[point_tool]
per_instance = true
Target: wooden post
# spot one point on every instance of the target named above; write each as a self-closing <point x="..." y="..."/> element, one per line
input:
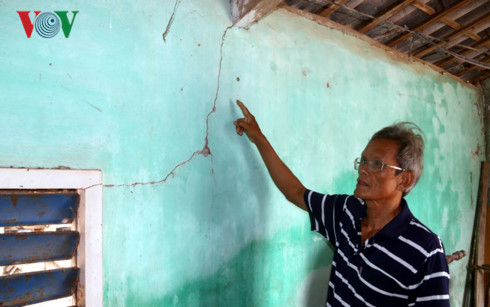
<point x="480" y="247"/>
<point x="474" y="293"/>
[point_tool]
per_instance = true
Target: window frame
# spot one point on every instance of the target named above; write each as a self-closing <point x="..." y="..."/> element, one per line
<point x="89" y="219"/>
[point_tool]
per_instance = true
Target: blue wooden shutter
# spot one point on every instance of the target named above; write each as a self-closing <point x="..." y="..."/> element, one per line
<point x="21" y="208"/>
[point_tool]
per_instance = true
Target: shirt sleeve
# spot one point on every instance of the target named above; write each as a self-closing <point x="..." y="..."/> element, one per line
<point x="325" y="212"/>
<point x="433" y="289"/>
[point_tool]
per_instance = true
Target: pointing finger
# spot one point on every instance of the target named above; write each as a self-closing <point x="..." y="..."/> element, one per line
<point x="243" y="108"/>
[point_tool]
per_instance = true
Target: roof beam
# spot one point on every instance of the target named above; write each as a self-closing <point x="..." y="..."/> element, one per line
<point x="385" y="15"/>
<point x="430" y="11"/>
<point x="424" y="7"/>
<point x="451" y="59"/>
<point x="245" y="13"/>
<point x="463" y="31"/>
<point x="464" y="72"/>
<point x="395" y="54"/>
<point x="430" y="22"/>
<point x="448" y="20"/>
<point x="331" y="9"/>
<point x="473" y="36"/>
<point x="453" y="24"/>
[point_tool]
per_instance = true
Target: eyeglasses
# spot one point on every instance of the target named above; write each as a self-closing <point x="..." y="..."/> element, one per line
<point x="373" y="166"/>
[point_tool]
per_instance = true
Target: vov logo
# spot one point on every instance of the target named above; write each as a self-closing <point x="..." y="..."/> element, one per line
<point x="47" y="24"/>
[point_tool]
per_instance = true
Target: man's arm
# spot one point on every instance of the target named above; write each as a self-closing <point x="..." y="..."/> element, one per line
<point x="433" y="290"/>
<point x="282" y="176"/>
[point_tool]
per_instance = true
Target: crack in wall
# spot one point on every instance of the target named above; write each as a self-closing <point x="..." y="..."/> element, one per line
<point x="171" y="20"/>
<point x="205" y="151"/>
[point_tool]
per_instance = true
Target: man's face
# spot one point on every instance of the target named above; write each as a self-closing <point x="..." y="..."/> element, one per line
<point x="381" y="185"/>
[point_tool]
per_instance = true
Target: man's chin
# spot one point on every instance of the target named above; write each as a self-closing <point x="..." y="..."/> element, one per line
<point x="359" y="194"/>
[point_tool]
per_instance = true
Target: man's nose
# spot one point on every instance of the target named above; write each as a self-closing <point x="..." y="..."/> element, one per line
<point x="363" y="169"/>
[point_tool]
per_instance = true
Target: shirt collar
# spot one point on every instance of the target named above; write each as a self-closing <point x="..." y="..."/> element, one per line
<point x="399" y="224"/>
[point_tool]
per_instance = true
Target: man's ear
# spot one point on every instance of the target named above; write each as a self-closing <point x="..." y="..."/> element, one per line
<point x="406" y="180"/>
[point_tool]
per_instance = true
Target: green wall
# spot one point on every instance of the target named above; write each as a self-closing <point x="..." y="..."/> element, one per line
<point x="214" y="231"/>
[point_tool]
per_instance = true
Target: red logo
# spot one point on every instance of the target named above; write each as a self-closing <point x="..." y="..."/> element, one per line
<point x="47" y="24"/>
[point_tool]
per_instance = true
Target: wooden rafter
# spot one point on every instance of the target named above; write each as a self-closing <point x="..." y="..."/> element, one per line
<point x="453" y="24"/>
<point x="430" y="22"/>
<point x="463" y="31"/>
<point x="464" y="72"/>
<point x="386" y="14"/>
<point x="485" y="42"/>
<point x="460" y="42"/>
<point x="331" y="9"/>
<point x="424" y="7"/>
<point x="473" y="36"/>
<point x="430" y="11"/>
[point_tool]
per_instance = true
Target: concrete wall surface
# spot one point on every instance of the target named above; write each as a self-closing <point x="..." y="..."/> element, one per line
<point x="145" y="91"/>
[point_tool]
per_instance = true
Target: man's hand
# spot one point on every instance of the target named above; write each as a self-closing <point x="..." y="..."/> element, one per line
<point x="247" y="124"/>
<point x="284" y="179"/>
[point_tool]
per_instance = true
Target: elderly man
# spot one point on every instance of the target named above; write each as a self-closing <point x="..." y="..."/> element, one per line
<point x="383" y="255"/>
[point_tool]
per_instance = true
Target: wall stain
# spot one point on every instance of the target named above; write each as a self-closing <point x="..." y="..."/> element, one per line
<point x="471" y="190"/>
<point x="476" y="152"/>
<point x="14" y="199"/>
<point x="237" y="280"/>
<point x="93" y="106"/>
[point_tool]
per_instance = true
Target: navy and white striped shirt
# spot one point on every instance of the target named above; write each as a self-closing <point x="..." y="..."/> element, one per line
<point x="403" y="264"/>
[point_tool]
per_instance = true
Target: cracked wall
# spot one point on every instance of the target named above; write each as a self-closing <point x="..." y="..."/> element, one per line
<point x="145" y="91"/>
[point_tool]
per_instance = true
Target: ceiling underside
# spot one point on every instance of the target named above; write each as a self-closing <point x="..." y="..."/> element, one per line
<point x="451" y="34"/>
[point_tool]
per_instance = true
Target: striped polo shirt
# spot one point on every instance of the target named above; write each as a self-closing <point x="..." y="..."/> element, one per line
<point x="403" y="264"/>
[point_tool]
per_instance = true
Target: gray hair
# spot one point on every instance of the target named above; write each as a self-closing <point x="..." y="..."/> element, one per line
<point x="411" y="147"/>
